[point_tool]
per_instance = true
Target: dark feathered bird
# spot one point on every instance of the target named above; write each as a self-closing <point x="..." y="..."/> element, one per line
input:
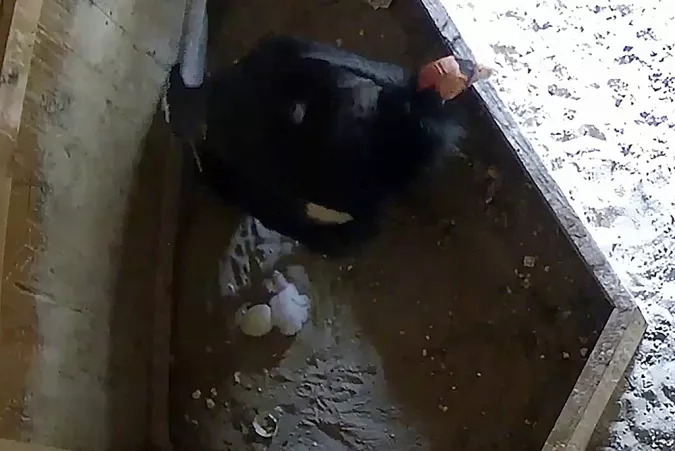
<point x="312" y="139"/>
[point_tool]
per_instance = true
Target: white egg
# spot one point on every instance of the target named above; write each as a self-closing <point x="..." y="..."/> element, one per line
<point x="256" y="321"/>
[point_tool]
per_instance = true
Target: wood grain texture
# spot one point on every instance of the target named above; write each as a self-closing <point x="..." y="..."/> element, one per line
<point x="5" y="191"/>
<point x="11" y="445"/>
<point x="85" y="79"/>
<point x="624" y="330"/>
<point x="18" y="25"/>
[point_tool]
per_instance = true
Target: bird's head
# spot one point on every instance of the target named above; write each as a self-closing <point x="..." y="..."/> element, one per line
<point x="450" y="76"/>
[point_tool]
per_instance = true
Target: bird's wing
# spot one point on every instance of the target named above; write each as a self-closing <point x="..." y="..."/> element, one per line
<point x="288" y="47"/>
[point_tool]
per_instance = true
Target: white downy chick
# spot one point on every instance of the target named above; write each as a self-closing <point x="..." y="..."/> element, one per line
<point x="290" y="309"/>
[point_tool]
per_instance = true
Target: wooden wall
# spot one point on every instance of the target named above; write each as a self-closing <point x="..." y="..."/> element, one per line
<point x="18" y="25"/>
<point x="79" y="84"/>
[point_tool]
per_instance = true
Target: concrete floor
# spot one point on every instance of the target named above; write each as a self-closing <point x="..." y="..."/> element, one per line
<point x="439" y="335"/>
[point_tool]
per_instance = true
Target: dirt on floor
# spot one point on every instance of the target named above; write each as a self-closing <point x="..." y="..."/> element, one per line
<point x="464" y="325"/>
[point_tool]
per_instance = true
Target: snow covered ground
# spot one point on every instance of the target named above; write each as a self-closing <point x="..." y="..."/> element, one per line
<point x="593" y="88"/>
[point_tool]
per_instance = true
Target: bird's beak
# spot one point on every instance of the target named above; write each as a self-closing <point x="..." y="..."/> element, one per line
<point x="482" y="73"/>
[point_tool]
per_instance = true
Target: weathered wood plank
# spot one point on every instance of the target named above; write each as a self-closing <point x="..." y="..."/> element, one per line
<point x="11" y="445"/>
<point x="76" y="125"/>
<point x="18" y="24"/>
<point x="17" y="55"/>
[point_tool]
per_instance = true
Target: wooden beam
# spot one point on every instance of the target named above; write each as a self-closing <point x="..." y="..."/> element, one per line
<point x="5" y="192"/>
<point x="11" y="445"/>
<point x="18" y="27"/>
<point x="19" y="20"/>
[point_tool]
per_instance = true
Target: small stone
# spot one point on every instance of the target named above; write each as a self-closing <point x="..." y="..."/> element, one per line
<point x="529" y="261"/>
<point x="214" y="392"/>
<point x="196" y="394"/>
<point x="210" y="404"/>
<point x="237" y="377"/>
<point x="338" y="42"/>
<point x="566" y="355"/>
<point x="479" y="374"/>
<point x="424" y="352"/>
<point x="583" y="352"/>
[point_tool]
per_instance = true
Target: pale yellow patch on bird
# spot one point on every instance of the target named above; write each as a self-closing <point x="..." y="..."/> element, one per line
<point x="326" y="215"/>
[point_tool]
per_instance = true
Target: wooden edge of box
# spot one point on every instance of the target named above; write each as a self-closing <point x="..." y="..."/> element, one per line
<point x="20" y="20"/>
<point x="11" y="445"/>
<point x="604" y="368"/>
<point x="6" y="14"/>
<point x="18" y="25"/>
<point x="5" y="192"/>
<point x="17" y="56"/>
<point x="626" y="325"/>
